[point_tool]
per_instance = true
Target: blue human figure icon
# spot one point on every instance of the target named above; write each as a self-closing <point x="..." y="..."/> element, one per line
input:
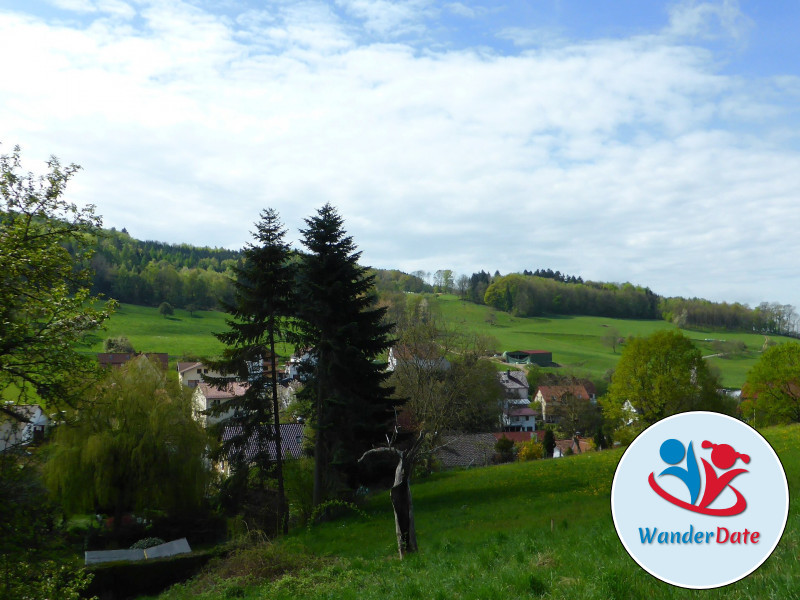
<point x="672" y="452"/>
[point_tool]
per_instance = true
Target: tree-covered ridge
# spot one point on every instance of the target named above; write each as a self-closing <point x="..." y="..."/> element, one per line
<point x="530" y="295"/>
<point x="540" y="292"/>
<point x="148" y="273"/>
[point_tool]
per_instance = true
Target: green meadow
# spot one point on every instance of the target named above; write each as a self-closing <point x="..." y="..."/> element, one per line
<point x="577" y="342"/>
<point x="179" y="335"/>
<point x="523" y="530"/>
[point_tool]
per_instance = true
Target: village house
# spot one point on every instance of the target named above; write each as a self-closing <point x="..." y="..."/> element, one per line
<point x="424" y="356"/>
<point x="207" y="397"/>
<point x="519" y="419"/>
<point x="550" y="397"/>
<point x="14" y="432"/>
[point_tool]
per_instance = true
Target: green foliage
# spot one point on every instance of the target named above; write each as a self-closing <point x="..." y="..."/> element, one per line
<point x="165" y="309"/>
<point x="339" y="319"/>
<point x="549" y="443"/>
<point x="660" y="375"/>
<point x="504" y="447"/>
<point x="772" y="392"/>
<point x="531" y="450"/>
<point x="527" y="295"/>
<point x="298" y="475"/>
<point x="263" y="302"/>
<point x="134" y="446"/>
<point x="44" y="581"/>
<point x="118" y="344"/>
<point x="45" y="306"/>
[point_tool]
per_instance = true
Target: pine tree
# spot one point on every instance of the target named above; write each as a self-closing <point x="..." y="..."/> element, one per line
<point x="263" y="300"/>
<point x="340" y="321"/>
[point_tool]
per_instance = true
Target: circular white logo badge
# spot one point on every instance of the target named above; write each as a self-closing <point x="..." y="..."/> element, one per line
<point x="699" y="500"/>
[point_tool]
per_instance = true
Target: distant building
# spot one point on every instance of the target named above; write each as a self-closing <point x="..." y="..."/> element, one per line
<point x="207" y="397"/>
<point x="14" y="432"/>
<point x="543" y="358"/>
<point x="550" y="396"/>
<point x="424" y="356"/>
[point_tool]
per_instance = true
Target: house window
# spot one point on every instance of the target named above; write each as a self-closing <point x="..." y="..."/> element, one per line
<point x="199" y="371"/>
<point x="192" y="383"/>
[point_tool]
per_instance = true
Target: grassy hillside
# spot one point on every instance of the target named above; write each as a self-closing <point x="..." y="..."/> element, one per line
<point x="178" y="335"/>
<point x="577" y="342"/>
<point x="525" y="530"/>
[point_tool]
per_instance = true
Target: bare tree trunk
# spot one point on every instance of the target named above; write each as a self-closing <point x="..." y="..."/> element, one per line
<point x="403" y="506"/>
<point x="402" y="503"/>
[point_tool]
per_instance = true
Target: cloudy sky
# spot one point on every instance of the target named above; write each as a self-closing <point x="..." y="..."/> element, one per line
<point x="651" y="142"/>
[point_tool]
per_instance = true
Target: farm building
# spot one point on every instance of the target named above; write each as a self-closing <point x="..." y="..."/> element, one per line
<point x="543" y="358"/>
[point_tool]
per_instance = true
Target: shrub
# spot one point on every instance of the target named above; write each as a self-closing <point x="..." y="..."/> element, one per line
<point x="146" y="543"/>
<point x="531" y="450"/>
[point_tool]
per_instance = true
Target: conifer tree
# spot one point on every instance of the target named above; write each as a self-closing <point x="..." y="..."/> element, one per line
<point x="264" y="289"/>
<point x="339" y="320"/>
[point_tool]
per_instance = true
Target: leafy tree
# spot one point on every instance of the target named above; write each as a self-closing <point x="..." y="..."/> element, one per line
<point x="135" y="446"/>
<point x="772" y="391"/>
<point x="165" y="309"/>
<point x="264" y="297"/>
<point x="46" y="309"/>
<point x="549" y="443"/>
<point x="118" y="344"/>
<point x="352" y="408"/>
<point x="658" y="376"/>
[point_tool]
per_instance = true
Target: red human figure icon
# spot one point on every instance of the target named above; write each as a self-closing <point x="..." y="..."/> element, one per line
<point x="724" y="457"/>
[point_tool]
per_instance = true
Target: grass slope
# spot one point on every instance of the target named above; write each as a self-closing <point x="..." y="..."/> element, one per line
<point x="525" y="530"/>
<point x="178" y="335"/>
<point x="577" y="342"/>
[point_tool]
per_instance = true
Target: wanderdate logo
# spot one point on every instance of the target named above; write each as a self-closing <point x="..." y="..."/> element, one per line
<point x="699" y="500"/>
<point x="723" y="457"/>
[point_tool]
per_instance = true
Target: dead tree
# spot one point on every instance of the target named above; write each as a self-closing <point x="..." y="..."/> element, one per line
<point x="400" y="492"/>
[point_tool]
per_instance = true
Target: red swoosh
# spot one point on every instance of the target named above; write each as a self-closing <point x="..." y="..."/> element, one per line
<point x="737" y="508"/>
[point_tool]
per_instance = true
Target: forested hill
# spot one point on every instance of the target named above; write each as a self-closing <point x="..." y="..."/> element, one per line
<point x="530" y="294"/>
<point x="148" y="273"/>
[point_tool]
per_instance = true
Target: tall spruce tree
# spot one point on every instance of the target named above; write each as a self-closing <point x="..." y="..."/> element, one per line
<point x="340" y="320"/>
<point x="263" y="300"/>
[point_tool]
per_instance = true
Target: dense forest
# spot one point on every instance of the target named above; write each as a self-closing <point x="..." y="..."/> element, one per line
<point x="547" y="292"/>
<point x="149" y="273"/>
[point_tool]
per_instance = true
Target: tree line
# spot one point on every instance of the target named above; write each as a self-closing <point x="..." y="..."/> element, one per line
<point x="149" y="273"/>
<point x="544" y="291"/>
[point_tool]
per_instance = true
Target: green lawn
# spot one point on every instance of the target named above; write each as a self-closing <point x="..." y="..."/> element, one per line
<point x="178" y="335"/>
<point x="577" y="342"/>
<point x="525" y="530"/>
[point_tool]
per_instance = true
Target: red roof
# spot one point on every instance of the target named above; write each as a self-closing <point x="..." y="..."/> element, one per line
<point x="559" y="391"/>
<point x="516" y="436"/>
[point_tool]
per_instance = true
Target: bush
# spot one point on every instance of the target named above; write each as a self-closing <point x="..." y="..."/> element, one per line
<point x="505" y="449"/>
<point x="118" y="344"/>
<point x="531" y="450"/>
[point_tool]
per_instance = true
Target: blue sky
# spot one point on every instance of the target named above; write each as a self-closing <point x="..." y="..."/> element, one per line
<point x="651" y="142"/>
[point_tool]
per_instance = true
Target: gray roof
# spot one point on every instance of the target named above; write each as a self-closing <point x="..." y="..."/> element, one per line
<point x="467" y="450"/>
<point x="263" y="439"/>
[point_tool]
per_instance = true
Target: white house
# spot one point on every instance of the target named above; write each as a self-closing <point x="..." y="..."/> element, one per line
<point x="206" y="397"/>
<point x="19" y="433"/>
<point x="191" y="373"/>
<point x="519" y="419"/>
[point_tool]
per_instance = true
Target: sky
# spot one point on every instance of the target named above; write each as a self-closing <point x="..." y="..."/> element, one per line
<point x="650" y="142"/>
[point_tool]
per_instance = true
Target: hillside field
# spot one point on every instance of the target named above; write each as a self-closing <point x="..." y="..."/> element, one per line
<point x="577" y="343"/>
<point x="523" y="530"/>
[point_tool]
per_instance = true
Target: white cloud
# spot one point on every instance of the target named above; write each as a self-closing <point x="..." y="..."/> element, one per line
<point x="613" y="159"/>
<point x="709" y="20"/>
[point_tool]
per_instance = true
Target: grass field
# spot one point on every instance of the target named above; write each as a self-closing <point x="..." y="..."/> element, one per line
<point x="524" y="530"/>
<point x="576" y="342"/>
<point x="179" y="335"/>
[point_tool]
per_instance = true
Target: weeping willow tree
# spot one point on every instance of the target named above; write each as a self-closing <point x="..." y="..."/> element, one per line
<point x="133" y="447"/>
